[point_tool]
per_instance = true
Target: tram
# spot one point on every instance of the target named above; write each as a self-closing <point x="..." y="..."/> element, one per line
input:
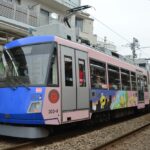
<point x="50" y="81"/>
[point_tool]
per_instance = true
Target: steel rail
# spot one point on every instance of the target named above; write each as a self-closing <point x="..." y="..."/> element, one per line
<point x="111" y="142"/>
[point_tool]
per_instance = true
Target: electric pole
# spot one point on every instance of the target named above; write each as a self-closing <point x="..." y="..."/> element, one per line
<point x="133" y="46"/>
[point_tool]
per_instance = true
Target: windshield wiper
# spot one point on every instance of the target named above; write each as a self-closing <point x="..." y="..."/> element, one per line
<point x="10" y="83"/>
<point x="21" y="83"/>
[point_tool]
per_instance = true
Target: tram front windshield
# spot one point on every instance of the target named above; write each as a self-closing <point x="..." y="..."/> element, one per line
<point x="29" y="64"/>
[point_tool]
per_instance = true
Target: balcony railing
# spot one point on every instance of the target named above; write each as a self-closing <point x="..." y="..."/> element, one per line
<point x="69" y="3"/>
<point x="18" y="13"/>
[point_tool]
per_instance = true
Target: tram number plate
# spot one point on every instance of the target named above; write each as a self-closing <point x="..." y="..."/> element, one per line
<point x="53" y="111"/>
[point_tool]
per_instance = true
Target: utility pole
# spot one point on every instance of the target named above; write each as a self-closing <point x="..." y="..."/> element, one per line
<point x="133" y="46"/>
<point x="105" y="42"/>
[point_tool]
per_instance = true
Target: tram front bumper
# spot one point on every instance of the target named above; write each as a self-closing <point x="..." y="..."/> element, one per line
<point x="23" y="132"/>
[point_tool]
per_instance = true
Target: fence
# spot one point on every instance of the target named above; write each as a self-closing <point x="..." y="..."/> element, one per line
<point x="18" y="13"/>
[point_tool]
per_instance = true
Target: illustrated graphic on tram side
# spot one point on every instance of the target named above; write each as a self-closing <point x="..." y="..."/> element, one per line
<point x="110" y="99"/>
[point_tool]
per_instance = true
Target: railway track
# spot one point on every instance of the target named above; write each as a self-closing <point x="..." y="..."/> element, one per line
<point x="7" y="142"/>
<point x="17" y="146"/>
<point x="116" y="140"/>
<point x="59" y="140"/>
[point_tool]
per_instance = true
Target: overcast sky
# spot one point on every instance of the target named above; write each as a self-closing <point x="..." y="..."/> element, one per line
<point x="129" y="18"/>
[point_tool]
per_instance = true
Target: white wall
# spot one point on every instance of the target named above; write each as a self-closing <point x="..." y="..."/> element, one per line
<point x="88" y="26"/>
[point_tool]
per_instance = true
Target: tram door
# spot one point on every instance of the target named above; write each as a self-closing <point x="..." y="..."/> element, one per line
<point x="75" y="92"/>
<point x="82" y="80"/>
<point x="140" y="87"/>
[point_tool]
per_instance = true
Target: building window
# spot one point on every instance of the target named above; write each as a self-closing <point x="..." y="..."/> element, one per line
<point x="9" y="1"/>
<point x="18" y="2"/>
<point x="44" y="17"/>
<point x="143" y="65"/>
<point x="14" y="1"/>
<point x="79" y="24"/>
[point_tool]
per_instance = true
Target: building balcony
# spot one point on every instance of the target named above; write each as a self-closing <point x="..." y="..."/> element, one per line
<point x="69" y="3"/>
<point x="18" y="13"/>
<point x="62" y="5"/>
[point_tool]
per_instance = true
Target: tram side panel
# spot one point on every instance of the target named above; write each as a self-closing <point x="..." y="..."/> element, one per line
<point x="75" y="98"/>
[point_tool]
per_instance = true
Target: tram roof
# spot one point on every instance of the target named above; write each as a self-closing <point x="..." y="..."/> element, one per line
<point x="50" y="38"/>
<point x="29" y="40"/>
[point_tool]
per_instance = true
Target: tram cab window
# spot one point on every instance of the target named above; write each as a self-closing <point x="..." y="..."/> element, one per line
<point x="145" y="84"/>
<point x="98" y="74"/>
<point x="114" y="78"/>
<point x="10" y="70"/>
<point x="53" y="77"/>
<point x="82" y="73"/>
<point x="2" y="68"/>
<point x="125" y="79"/>
<point x="68" y="71"/>
<point x="133" y="81"/>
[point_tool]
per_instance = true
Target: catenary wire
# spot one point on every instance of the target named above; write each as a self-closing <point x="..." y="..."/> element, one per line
<point x="118" y="34"/>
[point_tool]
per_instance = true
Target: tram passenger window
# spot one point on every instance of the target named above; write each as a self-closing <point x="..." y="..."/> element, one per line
<point x="98" y="74"/>
<point x="82" y="73"/>
<point x="133" y="81"/>
<point x="145" y="84"/>
<point x="125" y="79"/>
<point x="114" y="78"/>
<point x="68" y="71"/>
<point x="140" y="83"/>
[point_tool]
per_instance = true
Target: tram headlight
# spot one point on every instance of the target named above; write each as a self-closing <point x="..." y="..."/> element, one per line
<point x="35" y="107"/>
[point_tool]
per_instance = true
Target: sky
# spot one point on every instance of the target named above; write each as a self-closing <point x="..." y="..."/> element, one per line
<point x="129" y="18"/>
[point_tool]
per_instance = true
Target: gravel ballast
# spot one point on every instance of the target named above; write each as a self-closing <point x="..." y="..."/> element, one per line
<point x="96" y="138"/>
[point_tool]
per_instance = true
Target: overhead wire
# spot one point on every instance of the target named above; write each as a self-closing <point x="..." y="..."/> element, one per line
<point x="118" y="34"/>
<point x="142" y="52"/>
<point x="113" y="31"/>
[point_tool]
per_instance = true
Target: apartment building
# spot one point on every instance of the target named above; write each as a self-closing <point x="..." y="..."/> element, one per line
<point x="19" y="17"/>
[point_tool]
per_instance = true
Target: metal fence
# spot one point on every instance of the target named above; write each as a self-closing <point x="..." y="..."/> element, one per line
<point x="18" y="13"/>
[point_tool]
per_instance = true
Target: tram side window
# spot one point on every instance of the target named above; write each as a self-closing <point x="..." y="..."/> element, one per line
<point x="133" y="81"/>
<point x="125" y="79"/>
<point x="68" y="71"/>
<point x="114" y="78"/>
<point x="140" y="82"/>
<point x="145" y="84"/>
<point x="82" y="73"/>
<point x="98" y="74"/>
